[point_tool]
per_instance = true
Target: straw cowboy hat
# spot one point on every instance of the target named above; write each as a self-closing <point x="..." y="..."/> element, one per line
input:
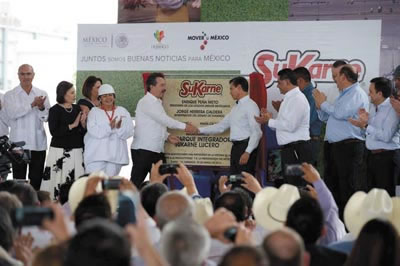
<point x="271" y="205"/>
<point x="363" y="207"/>
<point x="77" y="191"/>
<point x="203" y="208"/>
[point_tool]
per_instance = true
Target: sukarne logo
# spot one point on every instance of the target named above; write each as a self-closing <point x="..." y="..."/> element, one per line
<point x="199" y="88"/>
<point x="268" y="63"/>
<point x="205" y="38"/>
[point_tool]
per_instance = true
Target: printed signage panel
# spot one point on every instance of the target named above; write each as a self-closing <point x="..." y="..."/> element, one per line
<point x="203" y="102"/>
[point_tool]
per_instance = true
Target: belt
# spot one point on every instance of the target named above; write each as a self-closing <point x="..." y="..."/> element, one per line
<point x="347" y="141"/>
<point x="378" y="151"/>
<point x="317" y="138"/>
<point x="295" y="143"/>
<point x="236" y="142"/>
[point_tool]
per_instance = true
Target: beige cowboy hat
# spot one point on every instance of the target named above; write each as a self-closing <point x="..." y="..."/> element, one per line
<point x="203" y="208"/>
<point x="363" y="207"/>
<point x="77" y="191"/>
<point x="271" y="205"/>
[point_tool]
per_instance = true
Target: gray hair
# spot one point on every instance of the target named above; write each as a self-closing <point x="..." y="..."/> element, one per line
<point x="284" y="246"/>
<point x="9" y="201"/>
<point x="185" y="243"/>
<point x="173" y="205"/>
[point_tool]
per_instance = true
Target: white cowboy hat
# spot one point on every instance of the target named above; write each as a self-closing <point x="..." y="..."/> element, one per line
<point x="203" y="208"/>
<point x="106" y="89"/>
<point x="271" y="205"/>
<point x="77" y="191"/>
<point x="363" y="207"/>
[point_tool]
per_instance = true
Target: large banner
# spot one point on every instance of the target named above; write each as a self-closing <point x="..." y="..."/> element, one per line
<point x="120" y="53"/>
<point x="201" y="101"/>
<point x="265" y="47"/>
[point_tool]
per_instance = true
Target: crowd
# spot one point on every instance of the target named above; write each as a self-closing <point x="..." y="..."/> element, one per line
<point x="76" y="210"/>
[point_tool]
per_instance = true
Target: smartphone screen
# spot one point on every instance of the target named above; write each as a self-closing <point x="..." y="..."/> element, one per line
<point x="128" y="204"/>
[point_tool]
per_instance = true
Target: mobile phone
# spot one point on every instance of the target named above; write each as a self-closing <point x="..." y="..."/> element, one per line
<point x="231" y="233"/>
<point x="128" y="205"/>
<point x="110" y="184"/>
<point x="26" y="216"/>
<point x="23" y="181"/>
<point x="235" y="178"/>
<point x="294" y="170"/>
<point x="168" y="169"/>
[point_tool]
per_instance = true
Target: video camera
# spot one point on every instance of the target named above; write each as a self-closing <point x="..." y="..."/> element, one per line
<point x="11" y="153"/>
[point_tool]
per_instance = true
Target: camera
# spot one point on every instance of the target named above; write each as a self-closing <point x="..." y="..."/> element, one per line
<point x="110" y="184"/>
<point x="168" y="169"/>
<point x="235" y="178"/>
<point x="11" y="153"/>
<point x="231" y="233"/>
<point x="27" y="216"/>
<point x="294" y="170"/>
<point x="22" y="181"/>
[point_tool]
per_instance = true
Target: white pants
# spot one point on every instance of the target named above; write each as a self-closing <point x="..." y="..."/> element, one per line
<point x="111" y="169"/>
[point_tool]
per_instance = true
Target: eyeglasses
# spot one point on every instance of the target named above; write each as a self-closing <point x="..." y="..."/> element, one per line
<point x="25" y="74"/>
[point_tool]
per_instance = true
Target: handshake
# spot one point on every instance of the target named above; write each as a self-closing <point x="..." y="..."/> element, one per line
<point x="191" y="129"/>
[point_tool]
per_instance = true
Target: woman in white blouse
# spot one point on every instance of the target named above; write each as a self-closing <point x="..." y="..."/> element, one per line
<point x="108" y="128"/>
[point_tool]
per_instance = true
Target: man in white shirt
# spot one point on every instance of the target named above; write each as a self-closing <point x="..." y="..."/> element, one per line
<point x="151" y="123"/>
<point x="245" y="132"/>
<point x="291" y="125"/>
<point x="27" y="108"/>
<point x="3" y="118"/>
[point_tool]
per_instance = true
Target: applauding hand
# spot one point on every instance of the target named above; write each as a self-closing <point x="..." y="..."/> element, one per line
<point x="319" y="98"/>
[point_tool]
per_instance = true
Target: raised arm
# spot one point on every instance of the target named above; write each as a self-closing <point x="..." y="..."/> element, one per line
<point x="217" y="128"/>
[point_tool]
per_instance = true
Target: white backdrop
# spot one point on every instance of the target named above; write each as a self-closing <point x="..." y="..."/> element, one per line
<point x="265" y="47"/>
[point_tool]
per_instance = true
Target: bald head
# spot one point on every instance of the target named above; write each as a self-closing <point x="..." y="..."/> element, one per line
<point x="25" y="67"/>
<point x="173" y="205"/>
<point x="284" y="247"/>
<point x="344" y="76"/>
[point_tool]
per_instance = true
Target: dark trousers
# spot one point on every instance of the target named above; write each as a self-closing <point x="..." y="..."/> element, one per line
<point x="345" y="171"/>
<point x="36" y="166"/>
<point x="142" y="161"/>
<point x="315" y="150"/>
<point x="380" y="171"/>
<point x="396" y="161"/>
<point x="238" y="148"/>
<point x="295" y="153"/>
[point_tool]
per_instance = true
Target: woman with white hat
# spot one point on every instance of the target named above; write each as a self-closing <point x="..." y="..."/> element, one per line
<point x="108" y="128"/>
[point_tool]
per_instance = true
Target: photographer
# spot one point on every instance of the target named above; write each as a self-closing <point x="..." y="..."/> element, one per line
<point x="335" y="229"/>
